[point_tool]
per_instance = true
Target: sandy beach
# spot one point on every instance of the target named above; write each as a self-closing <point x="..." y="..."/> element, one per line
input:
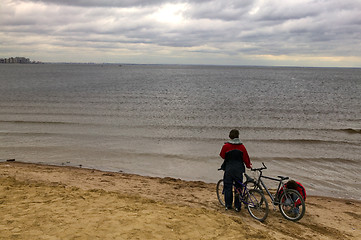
<point x="53" y="202"/>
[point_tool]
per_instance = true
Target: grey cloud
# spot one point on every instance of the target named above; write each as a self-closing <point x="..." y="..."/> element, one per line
<point x="326" y="28"/>
<point x="285" y="12"/>
<point x="221" y="10"/>
<point x="100" y="3"/>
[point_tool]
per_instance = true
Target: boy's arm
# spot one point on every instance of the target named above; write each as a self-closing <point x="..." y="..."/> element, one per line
<point x="246" y="159"/>
<point x="223" y="152"/>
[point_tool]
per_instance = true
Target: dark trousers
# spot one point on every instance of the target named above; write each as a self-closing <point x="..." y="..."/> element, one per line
<point x="230" y="179"/>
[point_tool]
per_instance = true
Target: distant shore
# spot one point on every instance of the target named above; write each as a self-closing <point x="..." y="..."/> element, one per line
<point x="42" y="202"/>
<point x="18" y="60"/>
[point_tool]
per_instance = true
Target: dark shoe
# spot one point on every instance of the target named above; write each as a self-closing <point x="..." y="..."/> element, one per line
<point x="229" y="208"/>
<point x="237" y="209"/>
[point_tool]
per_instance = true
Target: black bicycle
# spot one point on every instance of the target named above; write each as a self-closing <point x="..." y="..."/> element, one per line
<point x="254" y="199"/>
<point x="290" y="202"/>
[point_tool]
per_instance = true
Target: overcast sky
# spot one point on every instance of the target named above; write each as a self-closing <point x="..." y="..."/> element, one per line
<point x="231" y="32"/>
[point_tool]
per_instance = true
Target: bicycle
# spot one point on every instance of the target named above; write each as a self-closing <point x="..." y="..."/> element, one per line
<point x="290" y="202"/>
<point x="254" y="199"/>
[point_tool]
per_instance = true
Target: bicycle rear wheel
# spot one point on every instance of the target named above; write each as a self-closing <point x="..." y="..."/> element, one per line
<point x="291" y="205"/>
<point x="257" y="205"/>
<point x="220" y="192"/>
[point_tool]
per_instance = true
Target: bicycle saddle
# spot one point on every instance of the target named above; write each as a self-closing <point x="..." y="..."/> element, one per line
<point x="283" y="178"/>
<point x="249" y="179"/>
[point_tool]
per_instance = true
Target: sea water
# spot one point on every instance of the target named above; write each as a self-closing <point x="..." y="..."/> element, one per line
<point x="172" y="120"/>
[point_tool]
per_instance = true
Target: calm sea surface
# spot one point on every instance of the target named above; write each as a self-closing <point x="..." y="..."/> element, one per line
<point x="164" y="120"/>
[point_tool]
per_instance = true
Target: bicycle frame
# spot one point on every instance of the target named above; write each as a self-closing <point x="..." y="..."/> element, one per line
<point x="267" y="190"/>
<point x="243" y="192"/>
<point x="259" y="181"/>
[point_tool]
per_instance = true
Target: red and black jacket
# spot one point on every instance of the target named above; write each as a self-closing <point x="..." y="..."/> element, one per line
<point x="235" y="156"/>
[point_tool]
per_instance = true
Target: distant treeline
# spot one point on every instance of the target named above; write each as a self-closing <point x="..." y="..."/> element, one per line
<point x="16" y="60"/>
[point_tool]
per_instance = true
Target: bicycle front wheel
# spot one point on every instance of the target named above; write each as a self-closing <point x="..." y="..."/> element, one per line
<point x="291" y="205"/>
<point x="257" y="205"/>
<point x="220" y="192"/>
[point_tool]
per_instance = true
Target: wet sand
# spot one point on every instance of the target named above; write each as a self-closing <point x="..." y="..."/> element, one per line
<point x="52" y="202"/>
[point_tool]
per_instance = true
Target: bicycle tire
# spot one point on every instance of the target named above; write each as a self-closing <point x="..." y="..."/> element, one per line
<point x="257" y="205"/>
<point x="288" y="207"/>
<point x="220" y="192"/>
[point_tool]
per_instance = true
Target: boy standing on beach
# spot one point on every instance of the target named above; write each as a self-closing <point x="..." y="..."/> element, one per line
<point x="235" y="157"/>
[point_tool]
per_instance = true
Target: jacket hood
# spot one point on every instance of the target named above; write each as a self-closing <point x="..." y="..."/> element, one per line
<point x="235" y="141"/>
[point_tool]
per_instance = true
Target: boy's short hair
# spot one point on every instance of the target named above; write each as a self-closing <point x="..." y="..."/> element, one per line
<point x="234" y="133"/>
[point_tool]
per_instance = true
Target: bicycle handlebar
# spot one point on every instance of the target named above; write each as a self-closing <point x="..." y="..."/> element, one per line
<point x="259" y="169"/>
<point x="252" y="169"/>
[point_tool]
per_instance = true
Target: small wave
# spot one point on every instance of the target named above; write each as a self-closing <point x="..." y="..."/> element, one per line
<point x="168" y="156"/>
<point x="46" y="122"/>
<point x="70" y="114"/>
<point x="297" y="159"/>
<point x="162" y="136"/>
<point x="200" y="128"/>
<point x="29" y="134"/>
<point x="351" y="130"/>
<point x="304" y="141"/>
<point x="34" y="122"/>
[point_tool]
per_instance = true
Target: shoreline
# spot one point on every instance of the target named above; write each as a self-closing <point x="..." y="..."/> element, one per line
<point x="130" y="206"/>
<point x="80" y="166"/>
